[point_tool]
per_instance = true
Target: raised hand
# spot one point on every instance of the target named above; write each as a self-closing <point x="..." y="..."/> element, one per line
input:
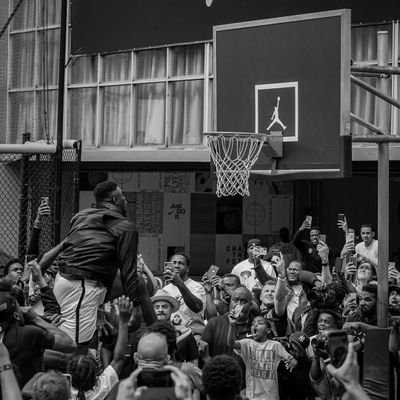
<point x="206" y="283"/>
<point x="125" y="308"/>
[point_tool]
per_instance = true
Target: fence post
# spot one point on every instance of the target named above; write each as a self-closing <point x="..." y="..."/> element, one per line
<point x="23" y="202"/>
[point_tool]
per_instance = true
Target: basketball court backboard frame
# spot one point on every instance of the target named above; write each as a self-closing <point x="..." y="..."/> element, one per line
<point x="306" y="153"/>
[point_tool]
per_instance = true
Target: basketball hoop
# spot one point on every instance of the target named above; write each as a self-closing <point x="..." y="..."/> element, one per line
<point x="233" y="155"/>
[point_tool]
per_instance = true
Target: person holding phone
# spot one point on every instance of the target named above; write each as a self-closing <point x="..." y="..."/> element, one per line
<point x="245" y="270"/>
<point x="189" y="293"/>
<point x="310" y="249"/>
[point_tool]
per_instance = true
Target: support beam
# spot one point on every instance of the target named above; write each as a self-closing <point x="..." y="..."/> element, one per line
<point x="383" y="186"/>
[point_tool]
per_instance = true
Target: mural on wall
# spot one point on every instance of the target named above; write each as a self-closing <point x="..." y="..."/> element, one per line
<point x="179" y="211"/>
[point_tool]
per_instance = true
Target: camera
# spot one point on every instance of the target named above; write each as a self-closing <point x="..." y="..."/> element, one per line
<point x="320" y="345"/>
<point x="155" y="378"/>
<point x="330" y="296"/>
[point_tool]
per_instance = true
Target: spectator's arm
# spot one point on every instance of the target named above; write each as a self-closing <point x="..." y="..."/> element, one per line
<point x="261" y="273"/>
<point x="49" y="301"/>
<point x="33" y="248"/>
<point x="324" y="252"/>
<point x="211" y="308"/>
<point x="298" y="242"/>
<point x="281" y="289"/>
<point x="48" y="258"/>
<point x="62" y="342"/>
<point x="348" y="375"/>
<point x="149" y="315"/>
<point x="308" y="277"/>
<point x="125" y="312"/>
<point x="193" y="302"/>
<point x="9" y="386"/>
<point x="127" y="244"/>
<point x="315" y="370"/>
<point x="148" y="273"/>
<point x="231" y="339"/>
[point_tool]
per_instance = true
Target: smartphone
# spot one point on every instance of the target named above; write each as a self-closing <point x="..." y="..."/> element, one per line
<point x="212" y="271"/>
<point x="341" y="217"/>
<point x="155" y="378"/>
<point x="337" y="346"/>
<point x="322" y="238"/>
<point x="237" y="310"/>
<point x="391" y="265"/>
<point x="69" y="379"/>
<point x="168" y="265"/>
<point x="259" y="251"/>
<point x="309" y="220"/>
<point x="350" y="238"/>
<point x="44" y="200"/>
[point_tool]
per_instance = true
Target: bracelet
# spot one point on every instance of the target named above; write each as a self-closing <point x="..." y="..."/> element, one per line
<point x="282" y="278"/>
<point x="5" y="367"/>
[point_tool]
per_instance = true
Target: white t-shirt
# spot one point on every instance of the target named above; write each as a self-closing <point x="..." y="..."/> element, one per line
<point x="262" y="360"/>
<point x="294" y="301"/>
<point x="185" y="317"/>
<point x="105" y="382"/>
<point x="245" y="271"/>
<point x="370" y="252"/>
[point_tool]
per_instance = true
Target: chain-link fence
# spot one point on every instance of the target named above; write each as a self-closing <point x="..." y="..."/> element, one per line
<point x="26" y="176"/>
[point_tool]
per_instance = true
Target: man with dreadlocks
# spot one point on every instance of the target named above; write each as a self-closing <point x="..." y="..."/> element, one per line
<point x="86" y="385"/>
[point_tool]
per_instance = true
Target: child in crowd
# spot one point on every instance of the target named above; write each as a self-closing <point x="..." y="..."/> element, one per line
<point x="261" y="357"/>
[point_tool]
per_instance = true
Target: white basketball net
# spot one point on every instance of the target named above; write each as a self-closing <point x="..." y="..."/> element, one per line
<point x="233" y="157"/>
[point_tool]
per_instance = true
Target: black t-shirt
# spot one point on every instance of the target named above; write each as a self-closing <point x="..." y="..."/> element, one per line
<point x="216" y="333"/>
<point x="26" y="345"/>
<point x="296" y="384"/>
<point x="186" y="348"/>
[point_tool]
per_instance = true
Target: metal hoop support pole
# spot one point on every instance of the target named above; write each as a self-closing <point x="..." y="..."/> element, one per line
<point x="383" y="187"/>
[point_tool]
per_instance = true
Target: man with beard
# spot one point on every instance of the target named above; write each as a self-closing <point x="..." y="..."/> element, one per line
<point x="309" y="249"/>
<point x="189" y="293"/>
<point x="366" y="315"/>
<point x="164" y="305"/>
<point x="273" y="301"/>
<point x="296" y="296"/>
<point x="226" y="285"/>
<point x="216" y="331"/>
<point x="101" y="241"/>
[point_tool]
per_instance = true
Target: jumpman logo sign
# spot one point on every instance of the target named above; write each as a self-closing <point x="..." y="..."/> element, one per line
<point x="275" y="116"/>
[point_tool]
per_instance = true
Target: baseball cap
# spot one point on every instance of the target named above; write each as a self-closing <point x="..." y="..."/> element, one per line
<point x="253" y="242"/>
<point x="300" y="338"/>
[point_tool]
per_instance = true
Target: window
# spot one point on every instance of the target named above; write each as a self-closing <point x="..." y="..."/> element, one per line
<point x="152" y="97"/>
<point x="33" y="70"/>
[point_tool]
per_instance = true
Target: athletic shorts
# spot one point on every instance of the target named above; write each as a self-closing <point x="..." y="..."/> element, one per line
<point x="79" y="301"/>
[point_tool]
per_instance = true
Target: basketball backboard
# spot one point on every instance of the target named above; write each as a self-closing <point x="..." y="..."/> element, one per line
<point x="289" y="75"/>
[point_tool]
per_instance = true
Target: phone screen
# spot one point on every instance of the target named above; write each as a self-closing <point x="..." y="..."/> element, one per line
<point x="337" y="346"/>
<point x="155" y="378"/>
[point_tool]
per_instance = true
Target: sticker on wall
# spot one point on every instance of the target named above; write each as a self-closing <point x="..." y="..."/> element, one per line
<point x="178" y="182"/>
<point x="228" y="251"/>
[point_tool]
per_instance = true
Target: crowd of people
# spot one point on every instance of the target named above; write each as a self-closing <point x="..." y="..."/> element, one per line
<point x="89" y="320"/>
